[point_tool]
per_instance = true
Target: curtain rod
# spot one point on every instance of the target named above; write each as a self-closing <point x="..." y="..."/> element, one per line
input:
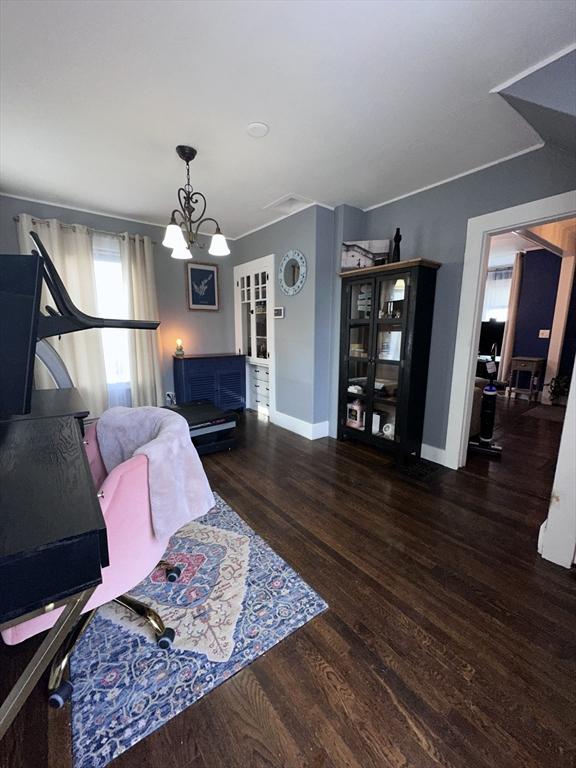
<point x="73" y="227"/>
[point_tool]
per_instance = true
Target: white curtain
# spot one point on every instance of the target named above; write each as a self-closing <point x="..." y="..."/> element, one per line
<point x="138" y="269"/>
<point x="70" y="249"/>
<point x="497" y="294"/>
<point x="510" y="327"/>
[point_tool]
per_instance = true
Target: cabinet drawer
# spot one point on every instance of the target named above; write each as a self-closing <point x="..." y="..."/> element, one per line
<point x="260" y="399"/>
<point x="260" y="373"/>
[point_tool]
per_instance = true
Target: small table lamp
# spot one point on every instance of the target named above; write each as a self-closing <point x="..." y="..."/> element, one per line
<point x="179" y="348"/>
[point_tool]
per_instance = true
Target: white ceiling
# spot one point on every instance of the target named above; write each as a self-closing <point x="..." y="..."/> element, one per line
<point x="503" y="248"/>
<point x="366" y="101"/>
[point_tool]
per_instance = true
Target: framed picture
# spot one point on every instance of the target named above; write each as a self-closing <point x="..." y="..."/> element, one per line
<point x="202" y="281"/>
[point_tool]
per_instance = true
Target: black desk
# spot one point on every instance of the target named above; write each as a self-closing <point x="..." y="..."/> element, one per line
<point x="55" y="402"/>
<point x="52" y="534"/>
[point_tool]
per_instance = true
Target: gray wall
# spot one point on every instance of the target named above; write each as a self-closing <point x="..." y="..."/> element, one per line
<point x="552" y="86"/>
<point x="323" y="315"/>
<point x="295" y="334"/>
<point x="201" y="331"/>
<point x="433" y="225"/>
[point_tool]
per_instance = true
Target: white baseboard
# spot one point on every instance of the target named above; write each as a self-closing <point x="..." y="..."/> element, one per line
<point x="299" y="426"/>
<point x="437" y="455"/>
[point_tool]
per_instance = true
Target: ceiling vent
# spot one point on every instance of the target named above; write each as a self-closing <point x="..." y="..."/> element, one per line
<point x="288" y="204"/>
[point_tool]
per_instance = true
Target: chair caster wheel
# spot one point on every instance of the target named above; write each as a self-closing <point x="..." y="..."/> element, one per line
<point x="61" y="695"/>
<point x="166" y="638"/>
<point x="174" y="573"/>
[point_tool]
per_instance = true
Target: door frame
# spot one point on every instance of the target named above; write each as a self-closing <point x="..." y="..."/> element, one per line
<point x="479" y="231"/>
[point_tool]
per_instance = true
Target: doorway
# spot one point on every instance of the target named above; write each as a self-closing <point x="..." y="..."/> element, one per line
<point x="558" y="533"/>
<point x="527" y="339"/>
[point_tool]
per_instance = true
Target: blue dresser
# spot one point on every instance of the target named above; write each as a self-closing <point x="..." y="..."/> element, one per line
<point x="218" y="378"/>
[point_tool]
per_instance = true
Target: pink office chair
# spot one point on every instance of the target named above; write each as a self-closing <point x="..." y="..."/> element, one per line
<point x="134" y="552"/>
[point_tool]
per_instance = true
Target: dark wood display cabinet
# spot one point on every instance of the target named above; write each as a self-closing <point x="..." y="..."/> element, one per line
<point x="386" y="324"/>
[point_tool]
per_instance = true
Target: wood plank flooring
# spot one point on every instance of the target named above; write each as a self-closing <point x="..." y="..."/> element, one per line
<point x="448" y="642"/>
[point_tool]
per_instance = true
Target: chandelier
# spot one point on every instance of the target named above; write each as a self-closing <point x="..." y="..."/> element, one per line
<point x="190" y="217"/>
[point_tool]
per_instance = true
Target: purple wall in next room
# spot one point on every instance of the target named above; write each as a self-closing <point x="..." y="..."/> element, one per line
<point x="536" y="303"/>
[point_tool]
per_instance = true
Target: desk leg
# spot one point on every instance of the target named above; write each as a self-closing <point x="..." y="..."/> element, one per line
<point x="41" y="659"/>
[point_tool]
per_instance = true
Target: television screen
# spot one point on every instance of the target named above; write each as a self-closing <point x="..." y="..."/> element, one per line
<point x="491" y="332"/>
<point x="20" y="287"/>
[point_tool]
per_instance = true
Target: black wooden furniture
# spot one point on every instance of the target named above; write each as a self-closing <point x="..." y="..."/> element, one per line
<point x="386" y="323"/>
<point x="20" y="287"/>
<point x="211" y="429"/>
<point x="52" y="533"/>
<point x="220" y="379"/>
<point x="53" y="541"/>
<point x="47" y="403"/>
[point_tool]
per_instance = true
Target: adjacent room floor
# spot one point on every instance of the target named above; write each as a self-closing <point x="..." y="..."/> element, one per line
<point x="448" y="642"/>
<point x="530" y="443"/>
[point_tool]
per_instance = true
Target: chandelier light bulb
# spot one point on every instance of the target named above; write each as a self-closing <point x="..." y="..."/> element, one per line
<point x="174" y="238"/>
<point x="218" y="245"/>
<point x="181" y="252"/>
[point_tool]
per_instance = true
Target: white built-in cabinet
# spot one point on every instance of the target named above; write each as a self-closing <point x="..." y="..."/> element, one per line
<point x="254" y="329"/>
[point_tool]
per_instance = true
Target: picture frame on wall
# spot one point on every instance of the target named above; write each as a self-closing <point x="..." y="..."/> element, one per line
<point x="202" y="285"/>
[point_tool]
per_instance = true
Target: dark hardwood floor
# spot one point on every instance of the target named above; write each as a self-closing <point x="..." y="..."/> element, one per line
<point x="530" y="450"/>
<point x="448" y="642"/>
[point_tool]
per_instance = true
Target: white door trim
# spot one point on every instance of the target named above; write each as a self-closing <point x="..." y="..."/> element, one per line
<point x="478" y="235"/>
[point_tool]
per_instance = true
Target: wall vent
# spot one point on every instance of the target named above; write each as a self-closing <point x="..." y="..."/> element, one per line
<point x="287" y="204"/>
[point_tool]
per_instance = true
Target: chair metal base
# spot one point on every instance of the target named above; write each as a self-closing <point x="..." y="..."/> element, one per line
<point x="59" y="686"/>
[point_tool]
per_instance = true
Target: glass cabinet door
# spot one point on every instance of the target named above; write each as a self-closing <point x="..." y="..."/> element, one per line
<point x="358" y="365"/>
<point x="389" y="337"/>
<point x="360" y="301"/>
<point x="252" y="297"/>
<point x="260" y="310"/>
<point x="358" y="361"/>
<point x="246" y="315"/>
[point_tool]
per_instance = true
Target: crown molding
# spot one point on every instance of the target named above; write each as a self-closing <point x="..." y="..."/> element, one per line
<point x="530" y="70"/>
<point x="532" y="148"/>
<point x="281" y="218"/>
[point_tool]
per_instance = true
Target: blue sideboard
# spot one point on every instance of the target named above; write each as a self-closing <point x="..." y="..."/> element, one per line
<point x="218" y="378"/>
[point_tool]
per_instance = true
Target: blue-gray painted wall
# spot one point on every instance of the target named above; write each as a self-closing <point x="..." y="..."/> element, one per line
<point x="201" y="331"/>
<point x="552" y="86"/>
<point x="433" y="224"/>
<point x="296" y="333"/>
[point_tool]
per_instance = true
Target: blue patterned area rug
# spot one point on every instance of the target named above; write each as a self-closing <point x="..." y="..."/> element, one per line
<point x="234" y="600"/>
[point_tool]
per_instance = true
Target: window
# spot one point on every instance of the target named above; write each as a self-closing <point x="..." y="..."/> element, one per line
<point x="112" y="301"/>
<point x="497" y="294"/>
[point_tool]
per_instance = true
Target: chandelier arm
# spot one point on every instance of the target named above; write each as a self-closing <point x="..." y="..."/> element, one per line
<point x="203" y="221"/>
<point x="183" y="222"/>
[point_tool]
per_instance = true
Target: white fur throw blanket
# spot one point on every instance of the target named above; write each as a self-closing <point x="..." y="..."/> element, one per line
<point x="179" y="489"/>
